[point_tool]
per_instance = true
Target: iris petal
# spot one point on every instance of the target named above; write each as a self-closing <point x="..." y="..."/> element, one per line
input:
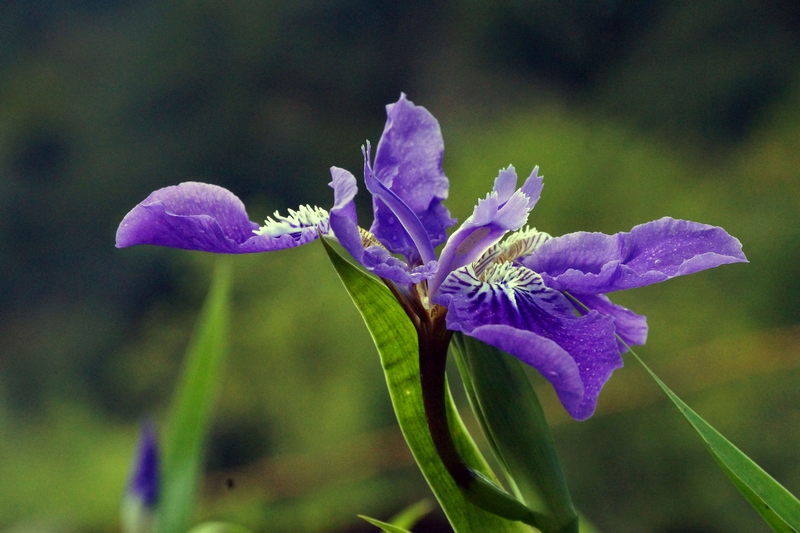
<point x="630" y="327"/>
<point x="408" y="161"/>
<point x="383" y="196"/>
<point x="545" y="355"/>
<point x="200" y="216"/>
<point x="501" y="211"/>
<point x="505" y="184"/>
<point x="594" y="263"/>
<point x="517" y="299"/>
<point x="374" y="258"/>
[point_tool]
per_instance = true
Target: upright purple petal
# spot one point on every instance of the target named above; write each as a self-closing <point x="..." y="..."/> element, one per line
<point x="533" y="187"/>
<point x="501" y="211"/>
<point x="374" y="257"/>
<point x="200" y="216"/>
<point x="411" y="224"/>
<point x="594" y="263"/>
<point x="517" y="299"/>
<point x="345" y="189"/>
<point x="505" y="184"/>
<point x="408" y="161"/>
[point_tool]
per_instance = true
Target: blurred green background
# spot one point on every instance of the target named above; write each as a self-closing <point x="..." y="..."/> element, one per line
<point x="633" y="109"/>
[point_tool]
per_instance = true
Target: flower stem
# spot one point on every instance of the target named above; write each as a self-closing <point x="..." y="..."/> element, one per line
<point x="433" y="344"/>
<point x="434" y="339"/>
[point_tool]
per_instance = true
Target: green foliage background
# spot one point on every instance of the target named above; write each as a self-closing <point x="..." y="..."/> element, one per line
<point x="632" y="113"/>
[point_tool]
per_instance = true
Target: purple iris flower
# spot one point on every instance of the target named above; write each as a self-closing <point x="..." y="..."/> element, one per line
<point x="540" y="298"/>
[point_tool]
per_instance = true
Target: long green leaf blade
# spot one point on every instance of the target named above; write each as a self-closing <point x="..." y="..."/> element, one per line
<point x="384" y="526"/>
<point x="192" y="408"/>
<point x="512" y="419"/>
<point x="395" y="338"/>
<point x="776" y="505"/>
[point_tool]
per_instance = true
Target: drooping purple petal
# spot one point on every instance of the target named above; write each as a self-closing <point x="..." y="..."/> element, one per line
<point x="516" y="297"/>
<point x="374" y="258"/>
<point x="630" y="327"/>
<point x="594" y="263"/>
<point x="501" y="211"/>
<point x="408" y="161"/>
<point x="550" y="359"/>
<point x="200" y="216"/>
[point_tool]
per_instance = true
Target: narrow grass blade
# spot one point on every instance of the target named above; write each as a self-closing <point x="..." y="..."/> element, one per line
<point x="192" y="407"/>
<point x="776" y="505"/>
<point x="512" y="419"/>
<point x="384" y="526"/>
<point x="395" y="338"/>
<point x="412" y="514"/>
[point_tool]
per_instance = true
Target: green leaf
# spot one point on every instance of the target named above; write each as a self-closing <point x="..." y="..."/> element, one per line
<point x="396" y="340"/>
<point x="516" y="428"/>
<point x="192" y="407"/>
<point x="412" y="514"/>
<point x="776" y="505"/>
<point x="388" y="528"/>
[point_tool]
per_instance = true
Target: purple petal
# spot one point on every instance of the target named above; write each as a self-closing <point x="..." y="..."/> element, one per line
<point x="550" y="359"/>
<point x="533" y="187"/>
<point x="594" y="263"/>
<point x="408" y="161"/>
<point x="505" y="184"/>
<point x="383" y="196"/>
<point x="345" y="189"/>
<point x="200" y="216"/>
<point x="374" y="258"/>
<point x="380" y="262"/>
<point x="630" y="327"/>
<point x="498" y="213"/>
<point x="517" y="298"/>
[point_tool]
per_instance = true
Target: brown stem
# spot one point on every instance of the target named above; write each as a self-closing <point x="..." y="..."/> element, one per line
<point x="434" y="340"/>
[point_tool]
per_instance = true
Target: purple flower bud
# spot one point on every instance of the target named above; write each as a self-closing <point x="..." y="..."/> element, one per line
<point x="145" y="478"/>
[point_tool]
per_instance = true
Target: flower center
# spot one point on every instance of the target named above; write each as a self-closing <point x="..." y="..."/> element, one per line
<point x="518" y="244"/>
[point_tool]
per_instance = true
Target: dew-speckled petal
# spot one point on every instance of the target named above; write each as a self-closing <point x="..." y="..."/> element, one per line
<point x="517" y="298"/>
<point x="595" y="263"/>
